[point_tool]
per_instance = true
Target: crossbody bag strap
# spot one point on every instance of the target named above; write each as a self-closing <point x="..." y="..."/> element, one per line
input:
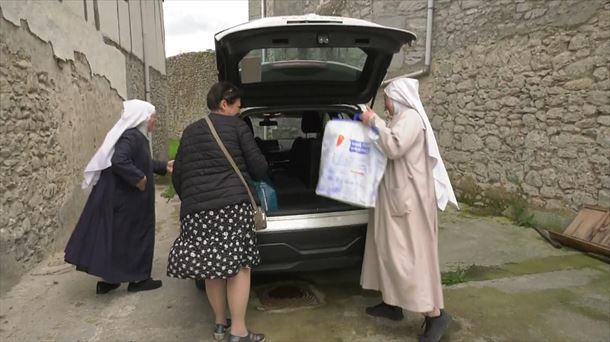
<point x="230" y="159"/>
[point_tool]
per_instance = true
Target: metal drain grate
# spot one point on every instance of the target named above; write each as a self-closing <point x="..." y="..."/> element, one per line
<point x="288" y="296"/>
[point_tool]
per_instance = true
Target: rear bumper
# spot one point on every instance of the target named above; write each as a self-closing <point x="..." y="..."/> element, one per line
<point x="314" y="242"/>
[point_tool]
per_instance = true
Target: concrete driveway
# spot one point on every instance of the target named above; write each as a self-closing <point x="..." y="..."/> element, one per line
<point x="510" y="286"/>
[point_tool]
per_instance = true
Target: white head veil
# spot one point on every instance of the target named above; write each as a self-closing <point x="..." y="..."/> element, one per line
<point x="136" y="114"/>
<point x="404" y="94"/>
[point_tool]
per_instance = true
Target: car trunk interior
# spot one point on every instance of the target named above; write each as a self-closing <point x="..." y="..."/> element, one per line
<point x="295" y="198"/>
<point x="291" y="142"/>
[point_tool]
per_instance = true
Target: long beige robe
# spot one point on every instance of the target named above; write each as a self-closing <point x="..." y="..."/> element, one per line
<point x="401" y="254"/>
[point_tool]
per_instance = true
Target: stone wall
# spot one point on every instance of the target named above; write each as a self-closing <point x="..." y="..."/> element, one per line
<point x="405" y="14"/>
<point x="54" y="115"/>
<point x="136" y="89"/>
<point x="158" y="97"/>
<point x="518" y="92"/>
<point x="62" y="83"/>
<point x="189" y="77"/>
<point x="519" y="96"/>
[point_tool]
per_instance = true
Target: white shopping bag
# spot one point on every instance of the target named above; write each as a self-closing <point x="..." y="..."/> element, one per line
<point x="351" y="164"/>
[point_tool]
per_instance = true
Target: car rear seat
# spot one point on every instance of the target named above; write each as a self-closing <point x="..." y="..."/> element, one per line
<point x="305" y="152"/>
<point x="266" y="146"/>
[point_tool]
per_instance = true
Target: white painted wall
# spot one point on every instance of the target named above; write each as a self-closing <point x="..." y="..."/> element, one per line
<point x="153" y="41"/>
<point x="124" y="28"/>
<point x="109" y="20"/>
<point x="136" y="28"/>
<point x="68" y="32"/>
<point x="77" y="8"/>
<point x="65" y="27"/>
<point x="159" y="38"/>
<point x="90" y="14"/>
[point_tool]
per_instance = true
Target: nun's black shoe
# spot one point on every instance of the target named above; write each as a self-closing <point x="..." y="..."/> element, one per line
<point x="386" y="311"/>
<point x="251" y="337"/>
<point x="104" y="287"/>
<point x="144" y="285"/>
<point x="435" y="327"/>
<point x="221" y="329"/>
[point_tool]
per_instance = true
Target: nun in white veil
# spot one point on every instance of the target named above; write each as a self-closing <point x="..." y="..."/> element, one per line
<point x="115" y="235"/>
<point x="401" y="253"/>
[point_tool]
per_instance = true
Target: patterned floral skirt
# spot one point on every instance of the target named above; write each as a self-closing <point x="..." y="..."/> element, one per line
<point x="214" y="244"/>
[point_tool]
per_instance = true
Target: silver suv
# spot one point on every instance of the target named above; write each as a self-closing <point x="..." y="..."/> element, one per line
<point x="297" y="73"/>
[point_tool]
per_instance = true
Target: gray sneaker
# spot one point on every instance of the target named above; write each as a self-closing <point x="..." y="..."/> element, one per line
<point x="435" y="327"/>
<point x="221" y="329"/>
<point x="251" y="337"/>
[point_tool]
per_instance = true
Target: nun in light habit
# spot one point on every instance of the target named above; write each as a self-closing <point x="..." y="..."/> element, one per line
<point x="401" y="253"/>
<point x="114" y="238"/>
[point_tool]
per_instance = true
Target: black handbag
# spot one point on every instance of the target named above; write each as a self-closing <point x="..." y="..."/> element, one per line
<point x="260" y="217"/>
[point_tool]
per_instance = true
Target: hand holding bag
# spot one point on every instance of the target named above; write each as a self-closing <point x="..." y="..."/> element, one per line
<point x="351" y="163"/>
<point x="260" y="217"/>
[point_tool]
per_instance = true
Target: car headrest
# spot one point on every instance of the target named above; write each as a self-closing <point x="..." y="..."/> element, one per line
<point x="311" y="122"/>
<point x="269" y="146"/>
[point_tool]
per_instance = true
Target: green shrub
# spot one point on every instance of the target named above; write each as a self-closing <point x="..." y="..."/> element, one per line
<point x="468" y="190"/>
<point x="172" y="150"/>
<point x="519" y="213"/>
<point x="456" y="275"/>
<point x="498" y="199"/>
<point x="495" y="201"/>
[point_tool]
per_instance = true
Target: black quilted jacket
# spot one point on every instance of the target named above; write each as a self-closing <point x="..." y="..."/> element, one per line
<point x="203" y="177"/>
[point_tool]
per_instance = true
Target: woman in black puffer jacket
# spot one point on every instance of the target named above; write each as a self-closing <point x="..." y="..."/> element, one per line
<point x="217" y="239"/>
